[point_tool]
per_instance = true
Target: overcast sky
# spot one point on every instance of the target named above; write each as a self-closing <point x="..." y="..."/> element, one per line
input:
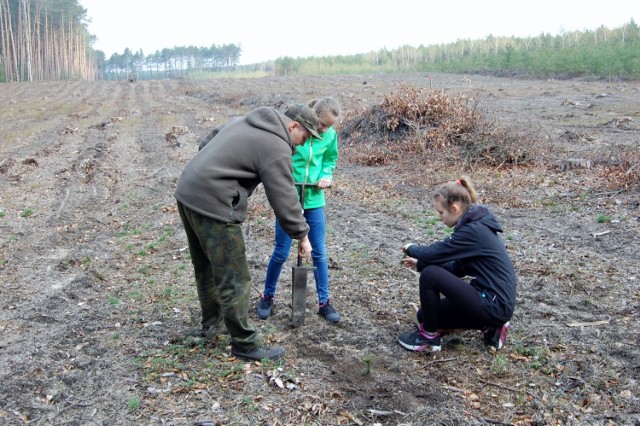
<point x="267" y="30"/>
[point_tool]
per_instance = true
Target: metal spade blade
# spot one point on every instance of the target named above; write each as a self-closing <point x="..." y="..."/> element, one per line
<point x="299" y="292"/>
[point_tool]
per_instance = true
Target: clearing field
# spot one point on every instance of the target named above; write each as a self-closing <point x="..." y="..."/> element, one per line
<point x="99" y="315"/>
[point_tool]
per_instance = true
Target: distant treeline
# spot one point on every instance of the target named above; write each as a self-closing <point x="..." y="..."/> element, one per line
<point x="602" y="53"/>
<point x="178" y="62"/>
<point x="48" y="40"/>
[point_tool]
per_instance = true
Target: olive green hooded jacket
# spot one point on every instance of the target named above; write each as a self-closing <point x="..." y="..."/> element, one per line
<point x="233" y="160"/>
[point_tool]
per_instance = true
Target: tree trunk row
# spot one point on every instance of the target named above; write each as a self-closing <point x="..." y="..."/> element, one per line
<point x="33" y="48"/>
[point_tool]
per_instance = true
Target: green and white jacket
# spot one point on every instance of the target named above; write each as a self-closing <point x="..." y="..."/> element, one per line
<point x="315" y="160"/>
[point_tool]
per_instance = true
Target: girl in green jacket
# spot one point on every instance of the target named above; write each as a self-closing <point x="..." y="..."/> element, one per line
<point x="312" y="163"/>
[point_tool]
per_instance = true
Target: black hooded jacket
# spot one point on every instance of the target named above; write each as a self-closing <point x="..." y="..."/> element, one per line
<point x="474" y="249"/>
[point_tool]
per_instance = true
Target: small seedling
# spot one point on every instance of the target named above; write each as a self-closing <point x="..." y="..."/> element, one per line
<point x="249" y="403"/>
<point x="603" y="218"/>
<point x="134" y="404"/>
<point x="135" y="295"/>
<point x="367" y="364"/>
<point x="499" y="365"/>
<point x="26" y="213"/>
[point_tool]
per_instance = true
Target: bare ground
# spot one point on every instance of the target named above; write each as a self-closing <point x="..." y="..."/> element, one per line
<point x="99" y="316"/>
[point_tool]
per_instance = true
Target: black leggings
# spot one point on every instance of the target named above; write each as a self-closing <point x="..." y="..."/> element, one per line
<point x="460" y="308"/>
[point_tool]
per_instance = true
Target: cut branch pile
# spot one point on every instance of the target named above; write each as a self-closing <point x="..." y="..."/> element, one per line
<point x="435" y="119"/>
<point x="428" y="122"/>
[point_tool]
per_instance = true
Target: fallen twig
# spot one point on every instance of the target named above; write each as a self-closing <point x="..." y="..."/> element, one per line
<point x="599" y="234"/>
<point x="498" y="385"/>
<point x="436" y="361"/>
<point x="495" y="422"/>
<point x="600" y="194"/>
<point x="587" y="324"/>
<point x="385" y="412"/>
<point x="453" y="388"/>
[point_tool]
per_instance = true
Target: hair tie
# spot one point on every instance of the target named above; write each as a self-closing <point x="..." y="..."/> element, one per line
<point x="458" y="182"/>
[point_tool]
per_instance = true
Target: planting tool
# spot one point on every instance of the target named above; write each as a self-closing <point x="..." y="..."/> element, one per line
<point x="299" y="275"/>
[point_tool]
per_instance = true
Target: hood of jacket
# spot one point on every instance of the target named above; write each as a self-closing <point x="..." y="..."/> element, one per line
<point x="268" y="119"/>
<point x="479" y="213"/>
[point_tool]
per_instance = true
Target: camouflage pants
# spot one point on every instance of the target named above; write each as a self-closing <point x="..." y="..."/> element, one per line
<point x="222" y="275"/>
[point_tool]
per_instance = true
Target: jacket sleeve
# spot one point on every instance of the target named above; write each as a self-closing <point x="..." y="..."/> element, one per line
<point x="447" y="253"/>
<point x="277" y="179"/>
<point x="330" y="158"/>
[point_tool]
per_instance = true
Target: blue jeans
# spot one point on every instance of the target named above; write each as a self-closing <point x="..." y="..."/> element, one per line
<point x="315" y="220"/>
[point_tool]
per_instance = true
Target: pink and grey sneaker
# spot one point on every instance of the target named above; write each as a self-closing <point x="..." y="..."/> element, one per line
<point x="419" y="341"/>
<point x="496" y="337"/>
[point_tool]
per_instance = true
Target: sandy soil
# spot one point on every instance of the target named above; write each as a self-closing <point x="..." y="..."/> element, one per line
<point x="98" y="311"/>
